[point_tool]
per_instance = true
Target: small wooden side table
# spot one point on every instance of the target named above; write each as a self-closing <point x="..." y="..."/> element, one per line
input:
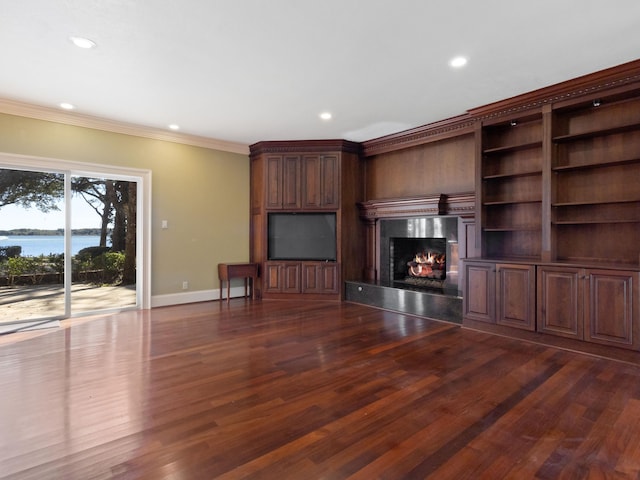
<point x="227" y="271"/>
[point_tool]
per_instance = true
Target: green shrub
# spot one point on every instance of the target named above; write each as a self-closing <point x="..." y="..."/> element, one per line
<point x="91" y="252"/>
<point x="17" y="266"/>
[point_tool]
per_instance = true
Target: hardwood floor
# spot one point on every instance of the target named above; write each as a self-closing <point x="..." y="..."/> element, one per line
<point x="295" y="390"/>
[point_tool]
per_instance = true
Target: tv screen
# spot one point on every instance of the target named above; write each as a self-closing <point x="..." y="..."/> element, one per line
<point x="302" y="236"/>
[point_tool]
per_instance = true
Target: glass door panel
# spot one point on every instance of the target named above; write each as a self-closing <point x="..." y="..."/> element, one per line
<point x="103" y="239"/>
<point x="32" y="220"/>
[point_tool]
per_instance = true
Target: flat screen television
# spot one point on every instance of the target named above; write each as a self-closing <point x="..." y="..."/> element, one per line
<point x="302" y="236"/>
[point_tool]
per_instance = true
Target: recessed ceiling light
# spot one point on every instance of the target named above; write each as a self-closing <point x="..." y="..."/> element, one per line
<point x="83" y="42"/>
<point x="173" y="126"/>
<point x="66" y="106"/>
<point x="325" y="116"/>
<point x="458" y="62"/>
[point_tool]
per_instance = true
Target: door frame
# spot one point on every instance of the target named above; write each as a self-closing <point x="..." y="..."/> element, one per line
<point x="143" y="179"/>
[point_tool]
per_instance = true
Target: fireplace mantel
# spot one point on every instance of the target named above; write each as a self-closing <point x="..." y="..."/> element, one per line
<point x="459" y="204"/>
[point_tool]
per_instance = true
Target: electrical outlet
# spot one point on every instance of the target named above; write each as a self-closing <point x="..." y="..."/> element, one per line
<point x="185" y="285"/>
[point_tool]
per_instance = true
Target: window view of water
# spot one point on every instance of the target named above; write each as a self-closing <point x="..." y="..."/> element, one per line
<point x="36" y="245"/>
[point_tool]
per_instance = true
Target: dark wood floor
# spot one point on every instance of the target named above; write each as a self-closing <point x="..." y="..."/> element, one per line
<point x="292" y="390"/>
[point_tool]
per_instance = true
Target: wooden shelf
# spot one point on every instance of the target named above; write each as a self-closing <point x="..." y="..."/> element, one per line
<point x="514" y="228"/>
<point x="509" y="202"/>
<point x="512" y="175"/>
<point x="592" y="165"/>
<point x="587" y="203"/>
<point x="512" y="148"/>
<point x="596" y="133"/>
<point x="592" y="222"/>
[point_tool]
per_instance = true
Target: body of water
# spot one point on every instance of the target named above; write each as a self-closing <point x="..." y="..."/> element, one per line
<point x="36" y="245"/>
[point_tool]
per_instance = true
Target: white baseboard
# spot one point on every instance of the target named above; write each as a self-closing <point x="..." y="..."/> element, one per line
<point x="192" y="297"/>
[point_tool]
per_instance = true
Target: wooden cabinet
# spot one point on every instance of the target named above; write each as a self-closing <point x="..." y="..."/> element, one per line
<point x="301" y="277"/>
<point x="320" y="277"/>
<point x="307" y="177"/>
<point x="559" y="302"/>
<point x="503" y="294"/>
<point x="478" y="302"/>
<point x="283" y="182"/>
<point x="281" y="277"/>
<point x="558" y="190"/>
<point x="321" y="180"/>
<point x="302" y="182"/>
<point x="595" y="305"/>
<point x="516" y="296"/>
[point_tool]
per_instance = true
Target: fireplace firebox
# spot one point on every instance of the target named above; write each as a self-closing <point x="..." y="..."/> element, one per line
<point x="419" y="262"/>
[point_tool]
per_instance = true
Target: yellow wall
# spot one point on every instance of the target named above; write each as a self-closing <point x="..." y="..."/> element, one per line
<point x="202" y="193"/>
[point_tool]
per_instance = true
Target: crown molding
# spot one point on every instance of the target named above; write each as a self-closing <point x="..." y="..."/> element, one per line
<point x="622" y="77"/>
<point x="49" y="114"/>
<point x="432" y="132"/>
<point x="305" y="146"/>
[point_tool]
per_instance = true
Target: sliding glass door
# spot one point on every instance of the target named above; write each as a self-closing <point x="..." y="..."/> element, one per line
<point x="103" y="239"/>
<point x="68" y="245"/>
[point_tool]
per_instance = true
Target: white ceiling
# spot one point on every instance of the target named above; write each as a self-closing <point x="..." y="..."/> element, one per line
<point x="250" y="70"/>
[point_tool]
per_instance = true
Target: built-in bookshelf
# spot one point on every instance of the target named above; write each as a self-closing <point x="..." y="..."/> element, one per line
<point x="511" y="188"/>
<point x="595" y="191"/>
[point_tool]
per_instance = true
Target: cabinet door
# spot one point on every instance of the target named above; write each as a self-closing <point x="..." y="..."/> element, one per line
<point x="560" y="302"/>
<point x="516" y="296"/>
<point x="291" y="192"/>
<point x="281" y="277"/>
<point x="273" y="181"/>
<point x="479" y="297"/>
<point x="311" y="180"/>
<point x="320" y="181"/>
<point x="291" y="278"/>
<point x="319" y="277"/>
<point x="330" y="180"/>
<point x="609" y="314"/>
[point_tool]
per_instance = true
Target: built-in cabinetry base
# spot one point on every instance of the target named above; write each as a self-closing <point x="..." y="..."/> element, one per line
<point x="589" y="306"/>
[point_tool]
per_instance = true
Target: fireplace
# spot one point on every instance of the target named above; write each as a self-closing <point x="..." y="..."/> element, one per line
<point x="418" y="261"/>
<point x="419" y="253"/>
<point x="434" y="229"/>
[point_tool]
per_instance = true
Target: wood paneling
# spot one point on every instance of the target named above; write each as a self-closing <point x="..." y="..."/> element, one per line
<point x="306" y="390"/>
<point x="446" y="166"/>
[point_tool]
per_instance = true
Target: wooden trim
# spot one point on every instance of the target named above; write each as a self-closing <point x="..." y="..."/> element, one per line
<point x="305" y="146"/>
<point x="621" y="75"/>
<point x="461" y="204"/>
<point x="444" y="129"/>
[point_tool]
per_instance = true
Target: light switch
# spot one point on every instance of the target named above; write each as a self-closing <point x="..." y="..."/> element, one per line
<point x="165" y="224"/>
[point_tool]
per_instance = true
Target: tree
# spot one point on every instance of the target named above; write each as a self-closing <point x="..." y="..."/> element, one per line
<point x="31" y="189"/>
<point x="129" y="270"/>
<point x="100" y="195"/>
<point x="123" y="236"/>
